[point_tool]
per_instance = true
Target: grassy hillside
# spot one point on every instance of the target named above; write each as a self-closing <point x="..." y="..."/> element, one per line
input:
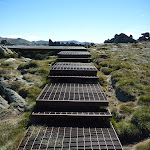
<point x="26" y="77"/>
<point x="124" y="71"/>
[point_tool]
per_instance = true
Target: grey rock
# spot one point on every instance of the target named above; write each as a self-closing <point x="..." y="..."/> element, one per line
<point x="5" y="50"/>
<point x="14" y="97"/>
<point x="121" y="38"/>
<point x="2" y="107"/>
<point x="146" y="34"/>
<point x="39" y="56"/>
<point x="3" y="103"/>
<point x="26" y="59"/>
<point x="11" y="94"/>
<point x="10" y="60"/>
<point x="4" y="84"/>
<point x="145" y="37"/>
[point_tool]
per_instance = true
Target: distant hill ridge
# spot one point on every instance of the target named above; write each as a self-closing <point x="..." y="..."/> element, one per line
<point x="20" y="41"/>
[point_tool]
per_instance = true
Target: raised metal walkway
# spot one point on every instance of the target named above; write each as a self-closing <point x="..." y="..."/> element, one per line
<point x="46" y="48"/>
<point x="69" y="115"/>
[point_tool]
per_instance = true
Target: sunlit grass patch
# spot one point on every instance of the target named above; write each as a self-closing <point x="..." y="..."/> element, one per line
<point x="145" y="145"/>
<point x="31" y="92"/>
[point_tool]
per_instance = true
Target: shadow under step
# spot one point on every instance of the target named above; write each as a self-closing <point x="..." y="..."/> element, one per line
<point x="84" y="60"/>
<point x="74" y="54"/>
<point x="104" y="114"/>
<point x="79" y="79"/>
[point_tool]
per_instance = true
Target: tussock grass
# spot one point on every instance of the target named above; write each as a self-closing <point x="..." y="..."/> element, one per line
<point x="141" y="118"/>
<point x="102" y="78"/>
<point x="145" y="145"/>
<point x="144" y="100"/>
<point x="106" y="70"/>
<point x="31" y="64"/>
<point x="9" y="130"/>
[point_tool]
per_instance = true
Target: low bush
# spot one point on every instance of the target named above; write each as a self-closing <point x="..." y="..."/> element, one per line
<point x="38" y="71"/>
<point x="124" y="94"/>
<point x="30" y="92"/>
<point x="16" y="85"/>
<point x="4" y="55"/>
<point x="141" y="118"/>
<point x="127" y="131"/>
<point x="116" y="115"/>
<point x="106" y="70"/>
<point x="144" y="100"/>
<point x="102" y="78"/>
<point x="28" y="65"/>
<point x="124" y="109"/>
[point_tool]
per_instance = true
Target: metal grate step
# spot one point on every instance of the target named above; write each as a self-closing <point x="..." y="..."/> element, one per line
<point x="66" y="94"/>
<point x="73" y="69"/>
<point x="84" y="60"/>
<point x="50" y="138"/>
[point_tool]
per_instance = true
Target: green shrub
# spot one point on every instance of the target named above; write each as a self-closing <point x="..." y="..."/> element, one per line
<point x="106" y="70"/>
<point x="115" y="66"/>
<point x="127" y="131"/>
<point x="117" y="116"/>
<point x="127" y="89"/>
<point x="102" y="78"/>
<point x="16" y="85"/>
<point x="124" y="94"/>
<point x="144" y="100"/>
<point x="28" y="65"/>
<point x="124" y="109"/>
<point x="30" y="78"/>
<point x="40" y="72"/>
<point x="116" y="76"/>
<point x="141" y="118"/>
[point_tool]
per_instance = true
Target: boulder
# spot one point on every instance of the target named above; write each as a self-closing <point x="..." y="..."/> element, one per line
<point x="3" y="103"/>
<point x="146" y="34"/>
<point x="5" y="42"/>
<point x="11" y="94"/>
<point x="26" y="59"/>
<point x="121" y="38"/>
<point x="145" y="37"/>
<point x="10" y="60"/>
<point x="5" y="50"/>
<point x="14" y="97"/>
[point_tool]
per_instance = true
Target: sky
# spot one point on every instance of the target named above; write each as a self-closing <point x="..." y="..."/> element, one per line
<point x="81" y="20"/>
